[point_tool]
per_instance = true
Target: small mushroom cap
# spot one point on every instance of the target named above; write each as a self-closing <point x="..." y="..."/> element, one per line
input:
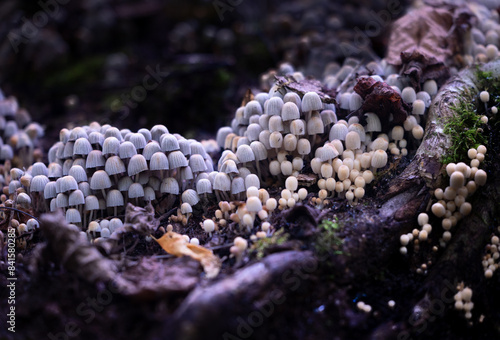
<point x="135" y="190"/>
<point x="311" y="102"/>
<point x="137" y="164"/>
<point x="114" y="198"/>
<point x="100" y="180"/>
<point x="114" y="166"/>
<point x="169" y="185"/>
<point x="158" y="161"/>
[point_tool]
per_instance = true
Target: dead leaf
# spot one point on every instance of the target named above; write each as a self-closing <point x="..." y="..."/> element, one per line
<point x="247" y="97"/>
<point x="418" y="68"/>
<point x="177" y="245"/>
<point x="381" y="99"/>
<point x="139" y="220"/>
<point x="425" y="30"/>
<point x="307" y="85"/>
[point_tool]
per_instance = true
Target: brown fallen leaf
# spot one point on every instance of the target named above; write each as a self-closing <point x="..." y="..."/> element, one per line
<point x="425" y="30"/>
<point x="177" y="245"/>
<point x="419" y="67"/>
<point x="247" y="97"/>
<point x="382" y="100"/>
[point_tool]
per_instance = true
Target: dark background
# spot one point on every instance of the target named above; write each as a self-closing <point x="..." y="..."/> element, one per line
<point x="78" y="64"/>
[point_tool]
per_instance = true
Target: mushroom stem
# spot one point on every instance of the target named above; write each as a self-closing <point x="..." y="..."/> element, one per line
<point x="103" y="193"/>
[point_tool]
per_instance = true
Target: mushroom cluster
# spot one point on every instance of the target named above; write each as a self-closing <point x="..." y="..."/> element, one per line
<point x="19" y="137"/>
<point x="491" y="257"/>
<point x="463" y="300"/>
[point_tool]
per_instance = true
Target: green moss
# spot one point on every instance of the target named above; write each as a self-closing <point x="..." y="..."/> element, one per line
<point x="328" y="241"/>
<point x="262" y="245"/>
<point x="465" y="130"/>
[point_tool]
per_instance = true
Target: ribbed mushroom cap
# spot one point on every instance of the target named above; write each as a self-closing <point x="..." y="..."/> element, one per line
<point x="197" y="163"/>
<point x="203" y="186"/>
<point x="355" y="101"/>
<point x="185" y="147"/>
<point x="290" y="111"/>
<point x="111" y="146"/>
<point x="85" y="188"/>
<point x="253" y="107"/>
<point x="95" y="159"/>
<point x="77" y="132"/>
<point x="100" y="180"/>
<point x="176" y="159"/>
<point x="78" y="173"/>
<point x="292" y="97"/>
<point x="124" y="183"/>
<point x="237" y="185"/>
<point x="259" y="150"/>
<point x="68" y="150"/>
<point x="222" y="133"/>
<point x="39" y="168"/>
<point x="114" y="198"/>
<point x="91" y="203"/>
<point x="229" y="167"/>
<point x="222" y="182"/>
<point x="54" y="149"/>
<point x="73" y="216"/>
<point x="190" y="196"/>
<point x="113" y="132"/>
<point x="55" y="170"/>
<point x="338" y="131"/>
<point x="62" y="200"/>
<point x="66" y="184"/>
<point x="96" y="138"/>
<point x="150" y="149"/>
<point x="328" y="117"/>
<point x="158" y="161"/>
<point x="50" y="190"/>
<point x="136" y="191"/>
<point x="114" y="166"/>
<point x="198" y="148"/>
<point x="276" y="139"/>
<point x="253" y="132"/>
<point x="326" y="153"/>
<point x="245" y="154"/>
<point x="136" y="165"/>
<point x="273" y="106"/>
<point x="127" y="150"/>
<point x="82" y="147"/>
<point x="146" y="133"/>
<point x="157" y="131"/>
<point x="149" y="194"/>
<point x="373" y="123"/>
<point x="169" y="185"/>
<point x="311" y="102"/>
<point x="169" y="143"/>
<point x="76" y="198"/>
<point x="66" y="166"/>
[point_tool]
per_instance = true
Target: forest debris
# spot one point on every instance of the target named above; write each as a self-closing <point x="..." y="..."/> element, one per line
<point x="247" y="97"/>
<point x="151" y="278"/>
<point x="381" y="99"/>
<point x="177" y="245"/>
<point x="139" y="220"/>
<point x="266" y="282"/>
<point x="65" y="246"/>
<point x="419" y="67"/>
<point x="426" y="30"/>
<point x="307" y="85"/>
